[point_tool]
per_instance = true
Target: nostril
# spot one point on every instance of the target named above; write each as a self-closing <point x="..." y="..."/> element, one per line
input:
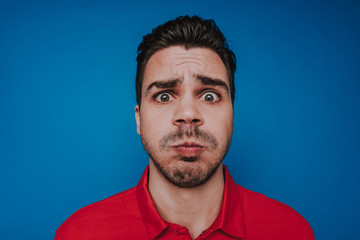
<point x="184" y="121"/>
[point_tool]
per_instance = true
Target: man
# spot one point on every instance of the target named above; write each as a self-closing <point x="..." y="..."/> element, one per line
<point x="185" y="94"/>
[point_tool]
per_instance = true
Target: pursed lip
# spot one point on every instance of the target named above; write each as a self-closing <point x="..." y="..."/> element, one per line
<point x="189" y="149"/>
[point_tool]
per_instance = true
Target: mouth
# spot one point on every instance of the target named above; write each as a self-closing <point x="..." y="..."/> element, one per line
<point x="189" y="149"/>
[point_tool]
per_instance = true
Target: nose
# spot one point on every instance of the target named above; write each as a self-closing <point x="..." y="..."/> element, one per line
<point x="187" y="112"/>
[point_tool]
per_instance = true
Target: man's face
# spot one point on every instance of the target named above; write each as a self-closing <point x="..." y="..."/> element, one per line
<point x="186" y="114"/>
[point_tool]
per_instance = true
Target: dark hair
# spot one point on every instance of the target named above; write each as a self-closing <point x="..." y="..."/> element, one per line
<point x="188" y="32"/>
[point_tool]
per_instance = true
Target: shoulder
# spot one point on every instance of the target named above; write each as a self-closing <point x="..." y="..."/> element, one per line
<point x="112" y="215"/>
<point x="273" y="217"/>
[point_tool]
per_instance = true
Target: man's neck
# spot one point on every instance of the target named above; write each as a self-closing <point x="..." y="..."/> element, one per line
<point x="194" y="208"/>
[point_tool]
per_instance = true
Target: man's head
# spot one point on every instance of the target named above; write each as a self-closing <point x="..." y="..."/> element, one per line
<point x="189" y="32"/>
<point x="186" y="114"/>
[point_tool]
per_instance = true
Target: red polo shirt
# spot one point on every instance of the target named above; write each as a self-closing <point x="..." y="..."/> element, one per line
<point x="131" y="214"/>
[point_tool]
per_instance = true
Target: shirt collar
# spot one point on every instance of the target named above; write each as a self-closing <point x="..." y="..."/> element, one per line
<point x="153" y="221"/>
<point x="229" y="220"/>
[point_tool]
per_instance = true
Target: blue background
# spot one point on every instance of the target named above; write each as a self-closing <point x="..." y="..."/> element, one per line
<point x="67" y="127"/>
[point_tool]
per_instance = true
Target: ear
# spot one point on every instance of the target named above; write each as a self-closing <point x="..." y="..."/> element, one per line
<point x="137" y="117"/>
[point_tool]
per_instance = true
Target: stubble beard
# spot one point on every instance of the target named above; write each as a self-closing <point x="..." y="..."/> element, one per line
<point x="187" y="172"/>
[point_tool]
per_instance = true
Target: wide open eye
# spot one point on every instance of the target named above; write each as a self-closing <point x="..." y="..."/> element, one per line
<point x="210" y="97"/>
<point x="163" y="97"/>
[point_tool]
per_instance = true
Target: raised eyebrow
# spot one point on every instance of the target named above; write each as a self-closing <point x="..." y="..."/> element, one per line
<point x="205" y="80"/>
<point x="163" y="84"/>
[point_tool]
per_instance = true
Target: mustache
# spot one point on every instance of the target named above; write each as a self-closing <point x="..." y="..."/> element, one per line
<point x="188" y="131"/>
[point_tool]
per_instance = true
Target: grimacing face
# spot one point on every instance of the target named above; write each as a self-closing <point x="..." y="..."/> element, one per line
<point x="186" y="116"/>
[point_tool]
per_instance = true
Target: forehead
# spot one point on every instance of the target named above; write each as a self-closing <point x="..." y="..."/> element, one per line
<point x="178" y="62"/>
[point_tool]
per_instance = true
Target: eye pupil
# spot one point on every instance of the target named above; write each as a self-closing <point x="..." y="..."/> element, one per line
<point x="164" y="98"/>
<point x="209" y="98"/>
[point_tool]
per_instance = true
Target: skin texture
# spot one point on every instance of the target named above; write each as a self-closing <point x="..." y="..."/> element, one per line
<point x="185" y="122"/>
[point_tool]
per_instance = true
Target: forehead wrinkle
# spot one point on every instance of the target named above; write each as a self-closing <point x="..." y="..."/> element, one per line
<point x="196" y="61"/>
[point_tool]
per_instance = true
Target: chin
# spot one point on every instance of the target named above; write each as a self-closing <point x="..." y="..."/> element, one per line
<point x="189" y="172"/>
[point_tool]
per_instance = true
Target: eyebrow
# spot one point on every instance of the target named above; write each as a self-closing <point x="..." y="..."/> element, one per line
<point x="163" y="84"/>
<point x="205" y="80"/>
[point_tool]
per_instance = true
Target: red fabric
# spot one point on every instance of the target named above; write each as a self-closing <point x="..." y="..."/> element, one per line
<point x="131" y="214"/>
